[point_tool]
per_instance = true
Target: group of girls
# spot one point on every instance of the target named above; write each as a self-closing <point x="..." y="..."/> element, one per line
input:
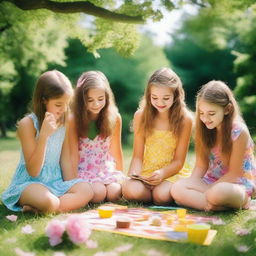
<point x="71" y="158"/>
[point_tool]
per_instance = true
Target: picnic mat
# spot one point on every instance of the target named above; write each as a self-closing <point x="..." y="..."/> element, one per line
<point x="141" y="224"/>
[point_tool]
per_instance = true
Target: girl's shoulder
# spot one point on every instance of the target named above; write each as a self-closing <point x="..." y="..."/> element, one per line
<point x="188" y="120"/>
<point x="26" y="124"/>
<point x="239" y="129"/>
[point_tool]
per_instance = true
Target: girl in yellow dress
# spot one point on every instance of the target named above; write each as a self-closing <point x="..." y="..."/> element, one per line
<point x="162" y="129"/>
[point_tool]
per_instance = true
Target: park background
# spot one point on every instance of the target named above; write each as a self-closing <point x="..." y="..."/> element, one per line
<point x="211" y="39"/>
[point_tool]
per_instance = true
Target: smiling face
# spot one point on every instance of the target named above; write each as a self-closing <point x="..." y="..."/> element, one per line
<point x="58" y="106"/>
<point x="211" y="114"/>
<point x="161" y="98"/>
<point x="96" y="101"/>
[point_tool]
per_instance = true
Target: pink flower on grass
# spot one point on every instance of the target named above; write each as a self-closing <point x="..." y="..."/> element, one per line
<point x="54" y="231"/>
<point x="27" y="229"/>
<point x="77" y="229"/>
<point x="12" y="217"/>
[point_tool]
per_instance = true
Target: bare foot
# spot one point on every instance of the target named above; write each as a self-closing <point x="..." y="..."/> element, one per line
<point x="28" y="208"/>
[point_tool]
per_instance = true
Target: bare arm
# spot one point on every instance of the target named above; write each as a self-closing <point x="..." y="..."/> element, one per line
<point x="235" y="165"/>
<point x="34" y="149"/>
<point x="73" y="145"/>
<point x="138" y="147"/>
<point x="65" y="160"/>
<point x="116" y="144"/>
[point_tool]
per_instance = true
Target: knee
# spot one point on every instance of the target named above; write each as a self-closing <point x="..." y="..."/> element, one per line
<point x="217" y="193"/>
<point x="99" y="191"/>
<point x="85" y="192"/>
<point x="132" y="190"/>
<point x="114" y="192"/>
<point x="176" y="190"/>
<point x="50" y="204"/>
<point x="161" y="197"/>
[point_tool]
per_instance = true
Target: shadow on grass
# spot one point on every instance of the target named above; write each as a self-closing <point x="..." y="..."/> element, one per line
<point x="42" y="244"/>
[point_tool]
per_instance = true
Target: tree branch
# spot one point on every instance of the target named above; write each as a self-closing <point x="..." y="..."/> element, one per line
<point x="76" y="7"/>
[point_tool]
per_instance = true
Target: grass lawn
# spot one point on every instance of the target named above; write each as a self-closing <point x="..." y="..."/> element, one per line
<point x="13" y="241"/>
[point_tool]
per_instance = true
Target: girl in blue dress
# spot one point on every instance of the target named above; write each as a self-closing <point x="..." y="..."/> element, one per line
<point x="44" y="181"/>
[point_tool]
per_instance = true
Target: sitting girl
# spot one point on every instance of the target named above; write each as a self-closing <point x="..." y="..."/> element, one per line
<point x="95" y="137"/>
<point x="43" y="181"/>
<point x="162" y="128"/>
<point x="224" y="173"/>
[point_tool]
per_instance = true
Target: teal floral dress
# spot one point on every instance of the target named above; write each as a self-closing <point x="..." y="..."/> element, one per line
<point x="50" y="175"/>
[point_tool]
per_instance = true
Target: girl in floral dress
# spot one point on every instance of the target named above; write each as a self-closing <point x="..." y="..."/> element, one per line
<point x="162" y="128"/>
<point x="95" y="137"/>
<point x="224" y="173"/>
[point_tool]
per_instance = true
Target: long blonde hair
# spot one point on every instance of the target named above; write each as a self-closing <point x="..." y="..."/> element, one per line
<point x="216" y="92"/>
<point x="168" y="78"/>
<point x="107" y="116"/>
<point x="50" y="85"/>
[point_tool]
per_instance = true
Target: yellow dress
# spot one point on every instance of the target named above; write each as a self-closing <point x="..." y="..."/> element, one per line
<point x="159" y="151"/>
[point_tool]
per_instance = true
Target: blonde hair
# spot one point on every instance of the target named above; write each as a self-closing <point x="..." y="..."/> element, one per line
<point x="107" y="116"/>
<point x="216" y="92"/>
<point x="50" y="85"/>
<point x="167" y="78"/>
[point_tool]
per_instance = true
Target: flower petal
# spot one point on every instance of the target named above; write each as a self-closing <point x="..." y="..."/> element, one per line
<point x="27" y="229"/>
<point x="12" y="217"/>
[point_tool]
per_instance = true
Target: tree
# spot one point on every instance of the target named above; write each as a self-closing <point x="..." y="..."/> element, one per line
<point x="127" y="76"/>
<point x="230" y="26"/>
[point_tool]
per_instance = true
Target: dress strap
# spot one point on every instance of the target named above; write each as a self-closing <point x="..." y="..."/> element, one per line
<point x="35" y="122"/>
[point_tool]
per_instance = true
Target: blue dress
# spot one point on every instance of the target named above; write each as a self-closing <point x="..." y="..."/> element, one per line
<point x="50" y="175"/>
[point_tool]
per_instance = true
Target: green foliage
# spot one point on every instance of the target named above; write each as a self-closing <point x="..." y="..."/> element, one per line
<point x="229" y="26"/>
<point x="197" y="65"/>
<point x="127" y="76"/>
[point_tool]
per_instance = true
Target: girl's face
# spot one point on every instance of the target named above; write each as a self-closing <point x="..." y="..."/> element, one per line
<point x="96" y="98"/>
<point x="211" y="114"/>
<point x="161" y="98"/>
<point x="58" y="106"/>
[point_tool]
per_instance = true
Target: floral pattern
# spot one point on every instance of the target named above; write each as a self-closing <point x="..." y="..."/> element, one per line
<point x="158" y="153"/>
<point x="217" y="169"/>
<point x="96" y="163"/>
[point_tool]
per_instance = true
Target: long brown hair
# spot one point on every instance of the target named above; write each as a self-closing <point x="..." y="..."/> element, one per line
<point x="168" y="78"/>
<point x="50" y="85"/>
<point x="107" y="116"/>
<point x="216" y="92"/>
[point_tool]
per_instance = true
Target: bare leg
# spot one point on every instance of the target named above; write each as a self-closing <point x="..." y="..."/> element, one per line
<point x="136" y="190"/>
<point x="190" y="192"/>
<point x="36" y="197"/>
<point x="161" y="193"/>
<point x="77" y="196"/>
<point x="100" y="192"/>
<point x="114" y="192"/>
<point x="226" y="195"/>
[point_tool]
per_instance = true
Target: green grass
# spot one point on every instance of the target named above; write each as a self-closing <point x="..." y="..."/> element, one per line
<point x="11" y="236"/>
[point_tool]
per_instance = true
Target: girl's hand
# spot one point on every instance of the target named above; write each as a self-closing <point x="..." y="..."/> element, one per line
<point x="49" y="125"/>
<point x="156" y="178"/>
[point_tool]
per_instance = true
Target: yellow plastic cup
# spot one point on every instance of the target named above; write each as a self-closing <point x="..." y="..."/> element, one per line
<point x="181" y="213"/>
<point x="105" y="211"/>
<point x="197" y="233"/>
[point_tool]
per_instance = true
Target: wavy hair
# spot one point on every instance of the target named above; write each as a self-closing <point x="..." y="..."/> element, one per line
<point x="216" y="92"/>
<point x="168" y="78"/>
<point x="107" y="116"/>
<point x="50" y="85"/>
